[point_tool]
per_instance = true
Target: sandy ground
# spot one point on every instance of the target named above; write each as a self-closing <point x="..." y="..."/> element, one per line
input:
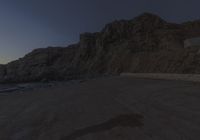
<point x="113" y="108"/>
<point x="166" y="76"/>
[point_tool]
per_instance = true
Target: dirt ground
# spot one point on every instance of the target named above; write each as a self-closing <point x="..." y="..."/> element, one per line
<point x="112" y="108"/>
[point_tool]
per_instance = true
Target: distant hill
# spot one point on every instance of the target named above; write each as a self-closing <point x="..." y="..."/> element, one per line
<point x="146" y="43"/>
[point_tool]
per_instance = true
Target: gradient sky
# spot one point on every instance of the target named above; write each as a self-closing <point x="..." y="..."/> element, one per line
<point x="29" y="24"/>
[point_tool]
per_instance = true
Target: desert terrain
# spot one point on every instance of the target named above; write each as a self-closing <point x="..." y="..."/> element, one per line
<point x="109" y="108"/>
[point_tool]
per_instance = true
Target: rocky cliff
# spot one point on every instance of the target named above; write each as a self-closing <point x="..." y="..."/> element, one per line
<point x="146" y="43"/>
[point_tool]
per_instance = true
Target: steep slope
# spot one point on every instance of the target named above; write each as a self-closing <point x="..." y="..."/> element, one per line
<point x="146" y="43"/>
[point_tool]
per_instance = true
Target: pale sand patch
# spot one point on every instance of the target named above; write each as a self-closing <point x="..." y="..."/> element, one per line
<point x="165" y="76"/>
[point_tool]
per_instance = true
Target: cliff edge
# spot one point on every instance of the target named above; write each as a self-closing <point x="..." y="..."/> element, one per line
<point x="146" y="43"/>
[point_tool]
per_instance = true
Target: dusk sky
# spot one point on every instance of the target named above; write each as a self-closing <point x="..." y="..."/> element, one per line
<point x="29" y="24"/>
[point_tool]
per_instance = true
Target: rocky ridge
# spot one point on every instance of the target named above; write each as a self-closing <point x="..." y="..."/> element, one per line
<point x="146" y="43"/>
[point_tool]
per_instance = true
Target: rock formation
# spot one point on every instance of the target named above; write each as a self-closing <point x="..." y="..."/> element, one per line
<point x="146" y="43"/>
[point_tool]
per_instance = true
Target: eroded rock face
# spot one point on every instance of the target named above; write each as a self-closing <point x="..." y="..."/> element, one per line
<point x="146" y="43"/>
<point x="41" y="64"/>
<point x="2" y="71"/>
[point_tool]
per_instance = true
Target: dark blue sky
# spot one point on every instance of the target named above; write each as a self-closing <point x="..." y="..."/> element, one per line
<point x="29" y="24"/>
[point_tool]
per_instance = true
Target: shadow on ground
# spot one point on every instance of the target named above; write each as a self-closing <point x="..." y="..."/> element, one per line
<point x="125" y="120"/>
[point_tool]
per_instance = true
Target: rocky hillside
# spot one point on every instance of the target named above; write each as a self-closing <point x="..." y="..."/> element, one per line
<point x="146" y="43"/>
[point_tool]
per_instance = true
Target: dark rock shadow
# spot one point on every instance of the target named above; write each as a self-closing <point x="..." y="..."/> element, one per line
<point x="125" y="120"/>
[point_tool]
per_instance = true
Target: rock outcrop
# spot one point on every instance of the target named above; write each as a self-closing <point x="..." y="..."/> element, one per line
<point x="146" y="43"/>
